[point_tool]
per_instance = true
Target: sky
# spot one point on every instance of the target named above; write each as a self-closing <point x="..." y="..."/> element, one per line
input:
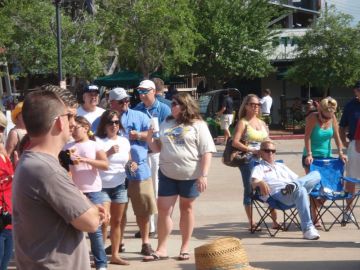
<point x="351" y="7"/>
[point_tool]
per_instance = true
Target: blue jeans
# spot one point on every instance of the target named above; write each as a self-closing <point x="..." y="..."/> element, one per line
<point x="6" y="248"/>
<point x="96" y="238"/>
<point x="245" y="171"/>
<point x="300" y="197"/>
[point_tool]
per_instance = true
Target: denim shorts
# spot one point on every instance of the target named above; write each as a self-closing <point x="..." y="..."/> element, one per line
<point x="171" y="187"/>
<point x="95" y="197"/>
<point x="116" y="194"/>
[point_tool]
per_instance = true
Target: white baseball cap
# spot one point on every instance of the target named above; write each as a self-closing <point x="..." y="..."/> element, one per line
<point x="118" y="93"/>
<point x="147" y="84"/>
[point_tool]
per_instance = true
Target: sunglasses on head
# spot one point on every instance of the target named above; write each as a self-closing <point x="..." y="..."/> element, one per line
<point x="273" y="151"/>
<point x="123" y="101"/>
<point x="143" y="91"/>
<point x="112" y="122"/>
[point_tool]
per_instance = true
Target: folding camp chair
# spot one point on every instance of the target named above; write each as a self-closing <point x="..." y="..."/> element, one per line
<point x="264" y="208"/>
<point x="355" y="198"/>
<point x="331" y="191"/>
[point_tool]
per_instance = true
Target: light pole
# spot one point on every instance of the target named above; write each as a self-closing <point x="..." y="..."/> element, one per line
<point x="58" y="39"/>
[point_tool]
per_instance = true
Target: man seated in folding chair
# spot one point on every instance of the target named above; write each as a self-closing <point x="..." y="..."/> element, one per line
<point x="278" y="181"/>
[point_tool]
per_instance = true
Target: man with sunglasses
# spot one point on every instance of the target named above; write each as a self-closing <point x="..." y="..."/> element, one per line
<point x="158" y="111"/>
<point x="140" y="190"/>
<point x="278" y="181"/>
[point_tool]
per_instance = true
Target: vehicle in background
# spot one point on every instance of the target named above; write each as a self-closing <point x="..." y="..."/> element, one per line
<point x="210" y="103"/>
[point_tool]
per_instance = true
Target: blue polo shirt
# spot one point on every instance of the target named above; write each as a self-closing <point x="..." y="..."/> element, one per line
<point x="164" y="100"/>
<point x="350" y="117"/>
<point x="135" y="120"/>
<point x="157" y="109"/>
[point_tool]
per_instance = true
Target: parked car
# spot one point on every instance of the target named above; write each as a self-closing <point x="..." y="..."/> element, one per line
<point x="210" y="103"/>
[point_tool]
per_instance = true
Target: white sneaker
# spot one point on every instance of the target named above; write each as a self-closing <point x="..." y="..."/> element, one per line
<point x="101" y="268"/>
<point x="348" y="217"/>
<point x="311" y="234"/>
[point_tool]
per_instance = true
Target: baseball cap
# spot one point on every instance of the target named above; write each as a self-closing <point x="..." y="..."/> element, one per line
<point x="91" y="88"/>
<point x="118" y="93"/>
<point x="147" y="84"/>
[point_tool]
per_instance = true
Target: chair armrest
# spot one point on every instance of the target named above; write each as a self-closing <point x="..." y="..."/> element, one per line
<point x="351" y="180"/>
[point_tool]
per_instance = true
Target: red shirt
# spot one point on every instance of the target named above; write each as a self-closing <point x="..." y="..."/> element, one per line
<point x="6" y="176"/>
<point x="357" y="131"/>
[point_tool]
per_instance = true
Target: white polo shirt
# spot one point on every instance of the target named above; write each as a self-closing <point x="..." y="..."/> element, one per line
<point x="277" y="175"/>
<point x="266" y="103"/>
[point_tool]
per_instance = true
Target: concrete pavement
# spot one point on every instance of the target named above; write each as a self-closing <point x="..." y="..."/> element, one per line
<point x="219" y="212"/>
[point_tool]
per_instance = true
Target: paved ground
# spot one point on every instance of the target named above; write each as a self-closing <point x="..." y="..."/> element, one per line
<point x="219" y="212"/>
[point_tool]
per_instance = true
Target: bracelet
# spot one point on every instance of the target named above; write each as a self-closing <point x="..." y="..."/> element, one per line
<point x="205" y="176"/>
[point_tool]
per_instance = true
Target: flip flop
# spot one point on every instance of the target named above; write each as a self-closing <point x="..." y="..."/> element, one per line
<point x="120" y="262"/>
<point x="277" y="227"/>
<point x="258" y="229"/>
<point x="184" y="256"/>
<point x="154" y="257"/>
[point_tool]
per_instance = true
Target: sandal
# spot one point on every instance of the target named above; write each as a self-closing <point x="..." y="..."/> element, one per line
<point x="277" y="227"/>
<point x="255" y="228"/>
<point x="154" y="257"/>
<point x="184" y="256"/>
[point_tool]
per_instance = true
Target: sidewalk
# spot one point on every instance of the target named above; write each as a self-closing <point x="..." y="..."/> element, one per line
<point x="219" y="212"/>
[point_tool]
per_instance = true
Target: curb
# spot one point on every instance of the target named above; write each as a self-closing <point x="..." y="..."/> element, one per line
<point x="287" y="137"/>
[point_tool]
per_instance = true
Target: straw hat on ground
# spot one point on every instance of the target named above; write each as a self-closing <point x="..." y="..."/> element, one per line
<point x="222" y="254"/>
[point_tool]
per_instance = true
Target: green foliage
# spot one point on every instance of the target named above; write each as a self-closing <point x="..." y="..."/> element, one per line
<point x="31" y="39"/>
<point x="236" y="38"/>
<point x="153" y="34"/>
<point x="329" y="53"/>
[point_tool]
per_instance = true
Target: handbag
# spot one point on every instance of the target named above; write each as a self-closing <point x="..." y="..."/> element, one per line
<point x="234" y="157"/>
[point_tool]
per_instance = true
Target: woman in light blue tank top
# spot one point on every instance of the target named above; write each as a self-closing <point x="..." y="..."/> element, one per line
<point x="320" y="127"/>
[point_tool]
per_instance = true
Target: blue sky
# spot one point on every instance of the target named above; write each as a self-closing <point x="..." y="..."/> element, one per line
<point x="351" y="7"/>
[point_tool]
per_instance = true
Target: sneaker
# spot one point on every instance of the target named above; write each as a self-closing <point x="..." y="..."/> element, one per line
<point x="146" y="250"/>
<point x="311" y="234"/>
<point x="289" y="188"/>
<point x="138" y="234"/>
<point x="348" y="217"/>
<point x="101" y="268"/>
<point x="121" y="249"/>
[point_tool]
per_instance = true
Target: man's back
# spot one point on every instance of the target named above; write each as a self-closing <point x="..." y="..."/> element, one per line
<point x="45" y="201"/>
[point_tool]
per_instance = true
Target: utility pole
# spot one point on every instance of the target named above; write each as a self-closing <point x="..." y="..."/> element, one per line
<point x="58" y="41"/>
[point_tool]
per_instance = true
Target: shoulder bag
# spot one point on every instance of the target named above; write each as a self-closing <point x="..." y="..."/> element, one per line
<point x="234" y="157"/>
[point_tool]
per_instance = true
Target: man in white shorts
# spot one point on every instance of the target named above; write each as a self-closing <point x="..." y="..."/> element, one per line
<point x="226" y="115"/>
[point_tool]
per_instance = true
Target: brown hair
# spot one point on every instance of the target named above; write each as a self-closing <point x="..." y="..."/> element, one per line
<point x="85" y="123"/>
<point x="189" y="109"/>
<point x="64" y="94"/>
<point x="40" y="110"/>
<point x="105" y="118"/>
<point x="159" y="84"/>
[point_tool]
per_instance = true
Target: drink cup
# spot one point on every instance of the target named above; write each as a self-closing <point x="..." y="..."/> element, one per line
<point x="154" y="122"/>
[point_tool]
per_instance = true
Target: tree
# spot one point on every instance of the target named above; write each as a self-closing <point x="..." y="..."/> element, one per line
<point x="236" y="39"/>
<point x="31" y="39"/>
<point x="328" y="55"/>
<point x="153" y="35"/>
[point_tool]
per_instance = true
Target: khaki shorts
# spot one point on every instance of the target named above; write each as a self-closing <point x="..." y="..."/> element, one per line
<point x="141" y="194"/>
<point x="226" y="121"/>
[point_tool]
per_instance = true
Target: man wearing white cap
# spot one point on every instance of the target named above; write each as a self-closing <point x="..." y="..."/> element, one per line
<point x="140" y="190"/>
<point x="89" y="108"/>
<point x="157" y="111"/>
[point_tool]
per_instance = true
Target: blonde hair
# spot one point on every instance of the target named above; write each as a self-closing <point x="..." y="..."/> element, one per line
<point x="242" y="110"/>
<point x="328" y="104"/>
<point x="266" y="142"/>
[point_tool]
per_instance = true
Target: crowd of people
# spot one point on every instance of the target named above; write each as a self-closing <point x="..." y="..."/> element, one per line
<point x="75" y="168"/>
<point x="78" y="166"/>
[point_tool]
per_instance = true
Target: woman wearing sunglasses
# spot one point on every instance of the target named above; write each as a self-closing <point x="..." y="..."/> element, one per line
<point x="186" y="146"/>
<point x="250" y="131"/>
<point x="115" y="197"/>
<point x="320" y="128"/>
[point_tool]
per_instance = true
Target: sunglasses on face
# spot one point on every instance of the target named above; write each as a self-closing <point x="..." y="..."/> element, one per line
<point x="123" y="101"/>
<point x="69" y="115"/>
<point x="143" y="91"/>
<point x="174" y="103"/>
<point x="252" y="104"/>
<point x="112" y="122"/>
<point x="273" y="151"/>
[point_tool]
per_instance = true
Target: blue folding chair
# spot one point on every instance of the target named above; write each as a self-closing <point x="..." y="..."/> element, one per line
<point x="330" y="191"/>
<point x="264" y="208"/>
<point x="355" y="198"/>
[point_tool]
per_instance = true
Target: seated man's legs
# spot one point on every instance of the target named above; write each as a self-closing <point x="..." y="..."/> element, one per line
<point x="309" y="181"/>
